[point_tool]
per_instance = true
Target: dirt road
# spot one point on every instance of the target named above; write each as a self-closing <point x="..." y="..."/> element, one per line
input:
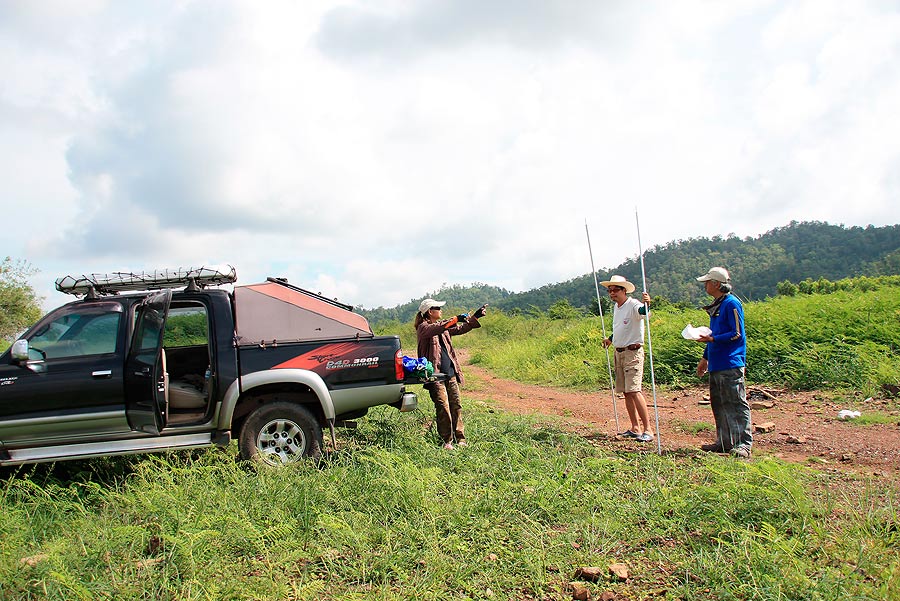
<point x="806" y="426"/>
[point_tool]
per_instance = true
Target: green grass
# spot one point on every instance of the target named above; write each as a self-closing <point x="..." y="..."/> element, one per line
<point x="391" y="516"/>
<point x="876" y="417"/>
<point x="841" y="341"/>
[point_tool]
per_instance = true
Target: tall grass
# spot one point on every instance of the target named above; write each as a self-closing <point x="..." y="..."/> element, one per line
<point x="844" y="339"/>
<point x="840" y="340"/>
<point x="391" y="516"/>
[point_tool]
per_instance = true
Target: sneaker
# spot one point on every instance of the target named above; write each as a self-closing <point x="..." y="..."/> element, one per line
<point x="741" y="452"/>
<point x="627" y="434"/>
<point x="448" y="446"/>
<point x="712" y="447"/>
<point x="645" y="437"/>
<point x="462" y="443"/>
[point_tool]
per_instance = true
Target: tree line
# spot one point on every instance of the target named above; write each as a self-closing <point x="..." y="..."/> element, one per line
<point x="797" y="252"/>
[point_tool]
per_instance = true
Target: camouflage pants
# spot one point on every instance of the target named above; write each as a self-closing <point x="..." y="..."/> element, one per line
<point x="728" y="399"/>
<point x="448" y="410"/>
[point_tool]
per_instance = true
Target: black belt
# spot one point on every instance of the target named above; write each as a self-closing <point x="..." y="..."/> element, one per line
<point x="630" y="347"/>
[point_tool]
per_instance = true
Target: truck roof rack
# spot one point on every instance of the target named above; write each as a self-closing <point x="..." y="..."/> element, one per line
<point x="192" y="279"/>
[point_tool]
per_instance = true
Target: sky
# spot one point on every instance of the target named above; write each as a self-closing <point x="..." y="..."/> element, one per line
<point x="377" y="150"/>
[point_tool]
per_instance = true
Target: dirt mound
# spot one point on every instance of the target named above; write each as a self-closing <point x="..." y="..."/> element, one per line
<point x="801" y="426"/>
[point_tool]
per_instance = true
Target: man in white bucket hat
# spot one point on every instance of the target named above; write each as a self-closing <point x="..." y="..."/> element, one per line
<point x="725" y="358"/>
<point x="628" y="338"/>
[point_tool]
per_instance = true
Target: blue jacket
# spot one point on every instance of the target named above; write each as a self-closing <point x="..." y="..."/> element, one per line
<point x="729" y="349"/>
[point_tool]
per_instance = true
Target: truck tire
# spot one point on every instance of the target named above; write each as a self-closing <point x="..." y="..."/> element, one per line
<point x="279" y="433"/>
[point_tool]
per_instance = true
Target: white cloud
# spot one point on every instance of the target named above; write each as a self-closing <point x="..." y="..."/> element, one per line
<point x="377" y="150"/>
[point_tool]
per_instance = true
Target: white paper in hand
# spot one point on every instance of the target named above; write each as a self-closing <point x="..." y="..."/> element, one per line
<point x="691" y="333"/>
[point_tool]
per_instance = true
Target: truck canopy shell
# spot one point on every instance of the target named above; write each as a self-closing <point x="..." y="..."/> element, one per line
<point x="275" y="311"/>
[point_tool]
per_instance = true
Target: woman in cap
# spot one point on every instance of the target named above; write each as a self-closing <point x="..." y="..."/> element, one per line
<point x="434" y="343"/>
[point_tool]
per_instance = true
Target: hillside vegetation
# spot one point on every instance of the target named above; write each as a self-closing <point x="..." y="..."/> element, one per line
<point x="797" y="252"/>
<point x="848" y="338"/>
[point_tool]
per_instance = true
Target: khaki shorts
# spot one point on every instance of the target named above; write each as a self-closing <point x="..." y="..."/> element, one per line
<point x="629" y="370"/>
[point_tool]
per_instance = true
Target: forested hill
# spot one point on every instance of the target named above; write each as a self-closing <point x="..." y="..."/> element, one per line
<point x="795" y="252"/>
<point x="458" y="297"/>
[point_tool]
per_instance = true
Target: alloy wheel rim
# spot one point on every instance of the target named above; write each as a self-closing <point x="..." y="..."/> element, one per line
<point x="280" y="441"/>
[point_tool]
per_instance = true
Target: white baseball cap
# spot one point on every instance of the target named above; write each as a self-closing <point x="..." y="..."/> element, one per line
<point x="719" y="274"/>
<point x="429" y="303"/>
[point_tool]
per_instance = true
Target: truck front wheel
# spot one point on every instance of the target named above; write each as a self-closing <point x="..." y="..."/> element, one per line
<point x="280" y="433"/>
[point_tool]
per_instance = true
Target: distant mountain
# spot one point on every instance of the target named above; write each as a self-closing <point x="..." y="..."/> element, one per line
<point x="463" y="298"/>
<point x="795" y="252"/>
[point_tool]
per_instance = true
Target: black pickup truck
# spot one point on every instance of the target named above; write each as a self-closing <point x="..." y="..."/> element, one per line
<point x="270" y="364"/>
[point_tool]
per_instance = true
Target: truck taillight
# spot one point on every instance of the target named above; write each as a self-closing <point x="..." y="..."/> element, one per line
<point x="398" y="366"/>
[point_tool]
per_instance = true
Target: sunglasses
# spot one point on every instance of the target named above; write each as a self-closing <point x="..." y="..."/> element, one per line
<point x="435" y="309"/>
<point x="613" y="289"/>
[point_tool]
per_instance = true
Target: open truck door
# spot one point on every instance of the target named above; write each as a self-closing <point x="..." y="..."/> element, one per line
<point x="145" y="373"/>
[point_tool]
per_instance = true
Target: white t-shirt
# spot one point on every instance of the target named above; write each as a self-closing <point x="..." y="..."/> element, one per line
<point x="628" y="324"/>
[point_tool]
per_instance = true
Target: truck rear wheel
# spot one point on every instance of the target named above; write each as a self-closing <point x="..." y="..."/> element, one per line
<point x="279" y="433"/>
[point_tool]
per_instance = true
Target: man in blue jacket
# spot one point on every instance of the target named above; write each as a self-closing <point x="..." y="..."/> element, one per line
<point x="725" y="358"/>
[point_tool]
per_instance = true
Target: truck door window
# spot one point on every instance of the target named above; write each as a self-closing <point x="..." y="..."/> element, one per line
<point x="77" y="333"/>
<point x="186" y="326"/>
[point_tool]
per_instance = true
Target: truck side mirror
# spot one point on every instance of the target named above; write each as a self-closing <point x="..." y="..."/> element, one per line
<point x="19" y="350"/>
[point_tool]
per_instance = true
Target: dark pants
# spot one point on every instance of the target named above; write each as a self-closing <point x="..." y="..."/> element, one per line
<point x="728" y="398"/>
<point x="447" y="410"/>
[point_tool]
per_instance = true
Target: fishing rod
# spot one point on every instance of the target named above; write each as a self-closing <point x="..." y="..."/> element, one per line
<point x="649" y="339"/>
<point x="603" y="326"/>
